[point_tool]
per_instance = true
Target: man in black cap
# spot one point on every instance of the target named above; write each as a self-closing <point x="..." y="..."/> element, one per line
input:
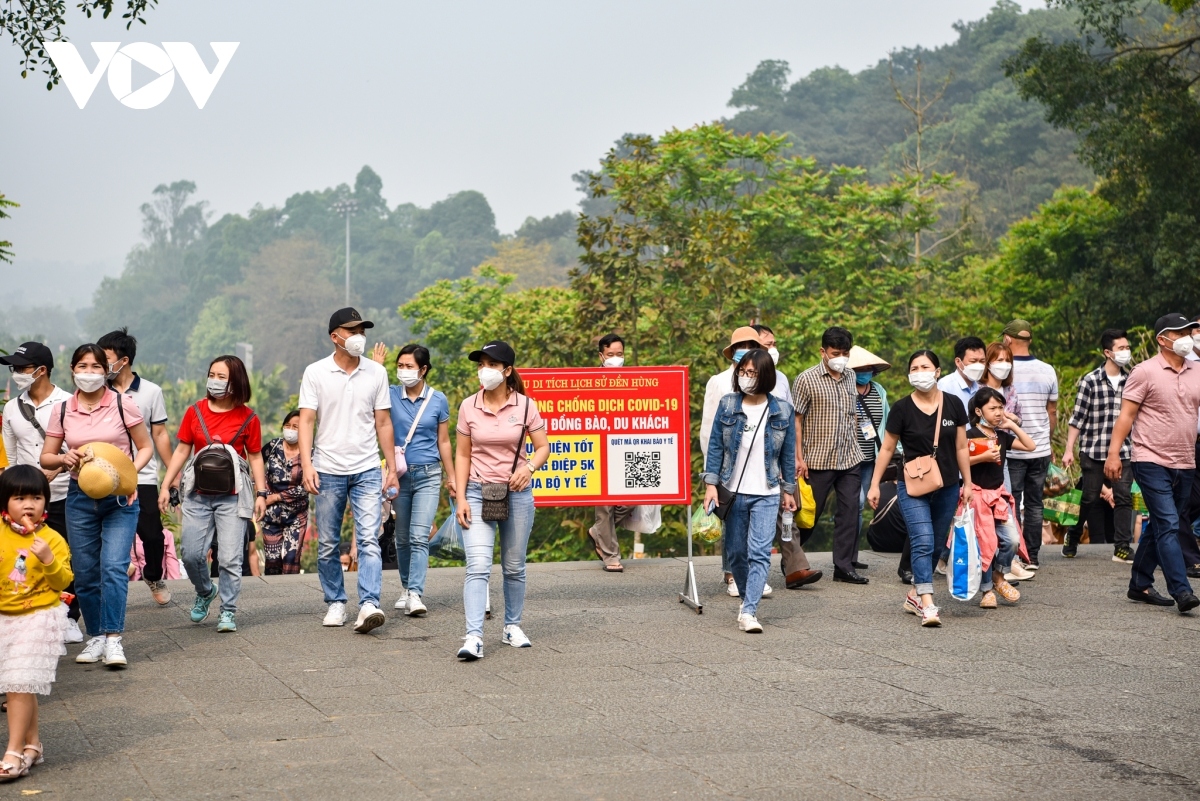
<point x="347" y="397"/>
<point x="1159" y="405"/>
<point x="24" y="429"/>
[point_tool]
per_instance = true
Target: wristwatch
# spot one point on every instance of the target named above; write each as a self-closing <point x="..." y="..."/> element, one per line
<point x="532" y="470"/>
<point x="263" y="493"/>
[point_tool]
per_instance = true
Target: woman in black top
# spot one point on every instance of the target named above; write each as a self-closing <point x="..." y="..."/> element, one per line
<point x="928" y="517"/>
<point x="993" y="435"/>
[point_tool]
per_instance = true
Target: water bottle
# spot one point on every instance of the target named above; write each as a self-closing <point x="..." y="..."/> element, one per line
<point x="789" y="527"/>
<point x="391" y="493"/>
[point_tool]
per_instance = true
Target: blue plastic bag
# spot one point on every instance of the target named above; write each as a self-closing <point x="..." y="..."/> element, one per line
<point x="964" y="571"/>
<point x="448" y="542"/>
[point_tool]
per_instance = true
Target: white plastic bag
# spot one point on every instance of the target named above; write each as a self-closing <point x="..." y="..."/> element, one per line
<point x="644" y="519"/>
<point x="964" y="571"/>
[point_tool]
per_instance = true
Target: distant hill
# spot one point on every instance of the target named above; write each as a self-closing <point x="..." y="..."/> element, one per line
<point x="991" y="138"/>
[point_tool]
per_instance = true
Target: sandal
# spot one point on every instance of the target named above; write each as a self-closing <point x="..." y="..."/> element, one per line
<point x="41" y="756"/>
<point x="10" y="771"/>
<point x="617" y="568"/>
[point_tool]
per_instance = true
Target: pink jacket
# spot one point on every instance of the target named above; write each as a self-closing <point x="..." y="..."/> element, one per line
<point x="991" y="505"/>
<point x="137" y="558"/>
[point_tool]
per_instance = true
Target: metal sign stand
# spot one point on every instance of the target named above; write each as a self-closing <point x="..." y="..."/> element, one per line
<point x="691" y="593"/>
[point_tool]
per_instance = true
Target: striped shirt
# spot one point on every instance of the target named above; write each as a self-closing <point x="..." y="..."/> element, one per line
<point x="873" y="406"/>
<point x="1036" y="384"/>
<point x="828" y="419"/>
<point x="1097" y="405"/>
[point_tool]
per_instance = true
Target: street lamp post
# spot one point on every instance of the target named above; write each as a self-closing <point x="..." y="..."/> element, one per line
<point x="347" y="208"/>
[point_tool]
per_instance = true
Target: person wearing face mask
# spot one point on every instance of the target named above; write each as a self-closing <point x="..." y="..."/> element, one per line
<point x="751" y="453"/>
<point x="1097" y="404"/>
<point x="420" y="423"/>
<point x="871" y="411"/>
<point x="220" y="419"/>
<point x="609" y="518"/>
<point x="286" y="517"/>
<point x="492" y="426"/>
<point x="970" y="357"/>
<point x="915" y="423"/>
<point x="349" y="397"/>
<point x="1036" y="385"/>
<point x="828" y="455"/>
<point x="998" y="375"/>
<point x="120" y="349"/>
<point x="1158" y="405"/>
<point x="744" y="339"/>
<point x="24" y="425"/>
<point x="101" y="531"/>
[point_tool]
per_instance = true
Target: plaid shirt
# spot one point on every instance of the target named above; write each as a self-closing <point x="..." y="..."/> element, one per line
<point x="1097" y="406"/>
<point x="828" y="414"/>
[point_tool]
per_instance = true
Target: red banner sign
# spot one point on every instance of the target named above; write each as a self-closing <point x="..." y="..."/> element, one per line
<point x="618" y="436"/>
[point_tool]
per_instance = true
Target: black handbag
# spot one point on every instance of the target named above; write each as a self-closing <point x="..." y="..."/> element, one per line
<point x="495" y="495"/>
<point x="725" y="496"/>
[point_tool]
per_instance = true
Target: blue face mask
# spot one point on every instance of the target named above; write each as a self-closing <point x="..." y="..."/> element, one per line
<point x="862" y="379"/>
<point x="738" y="354"/>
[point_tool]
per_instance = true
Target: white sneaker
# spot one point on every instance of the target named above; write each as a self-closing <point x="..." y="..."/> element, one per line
<point x="402" y="601"/>
<point x="1017" y="572"/>
<point x="114" y="653"/>
<point x="472" y="649"/>
<point x="732" y="589"/>
<point x="415" y="607"/>
<point x="92" y="652"/>
<point x="336" y="616"/>
<point x="72" y="634"/>
<point x="940" y="569"/>
<point x="768" y="591"/>
<point x="515" y="637"/>
<point x="369" y="617"/>
<point x="749" y="624"/>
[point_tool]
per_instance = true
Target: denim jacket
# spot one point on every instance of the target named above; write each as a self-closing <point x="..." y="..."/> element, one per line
<point x="779" y="443"/>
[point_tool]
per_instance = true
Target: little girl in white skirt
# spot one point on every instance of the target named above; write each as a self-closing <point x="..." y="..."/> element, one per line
<point x="35" y="567"/>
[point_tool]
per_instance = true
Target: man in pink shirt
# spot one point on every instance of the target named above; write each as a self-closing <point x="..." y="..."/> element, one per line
<point x="1159" y="403"/>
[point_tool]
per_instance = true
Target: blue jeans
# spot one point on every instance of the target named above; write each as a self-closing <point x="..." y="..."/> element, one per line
<point x="201" y="515"/>
<point x="1166" y="492"/>
<point x="415" y="507"/>
<point x="867" y="472"/>
<point x="928" y="519"/>
<point x="479" y="541"/>
<point x="364" y="491"/>
<point x="749" y="533"/>
<point x="101" y="538"/>
<point x="1007" y="542"/>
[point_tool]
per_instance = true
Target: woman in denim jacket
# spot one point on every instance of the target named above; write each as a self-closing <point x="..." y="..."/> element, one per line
<point x="752" y="452"/>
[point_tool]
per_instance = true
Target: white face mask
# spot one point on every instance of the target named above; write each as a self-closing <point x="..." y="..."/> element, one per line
<point x="974" y="372"/>
<point x="775" y="354"/>
<point x="24" y="381"/>
<point x="490" y="377"/>
<point x="1000" y="369"/>
<point x="291" y="436"/>
<point x="614" y="361"/>
<point x="217" y="387"/>
<point x="408" y="378"/>
<point x="1122" y="357"/>
<point x="89" y="382"/>
<point x="356" y="345"/>
<point x="838" y="363"/>
<point x="747" y="384"/>
<point x="923" y="380"/>
<point x="1182" y="346"/>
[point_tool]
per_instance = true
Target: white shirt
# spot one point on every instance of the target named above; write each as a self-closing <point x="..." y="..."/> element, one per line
<point x="721" y="385"/>
<point x="149" y="399"/>
<point x="23" y="442"/>
<point x="345" y="404"/>
<point x="754" y="480"/>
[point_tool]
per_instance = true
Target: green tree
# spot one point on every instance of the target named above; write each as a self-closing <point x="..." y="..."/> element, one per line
<point x="6" y="253"/>
<point x="216" y="332"/>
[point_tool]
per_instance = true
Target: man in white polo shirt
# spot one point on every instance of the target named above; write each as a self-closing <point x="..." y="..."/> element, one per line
<point x="347" y="397"/>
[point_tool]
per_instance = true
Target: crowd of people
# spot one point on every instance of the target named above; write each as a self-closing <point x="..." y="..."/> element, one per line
<point x="81" y="480"/>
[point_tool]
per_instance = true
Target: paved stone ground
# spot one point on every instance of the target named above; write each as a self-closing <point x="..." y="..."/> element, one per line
<point x="1075" y="693"/>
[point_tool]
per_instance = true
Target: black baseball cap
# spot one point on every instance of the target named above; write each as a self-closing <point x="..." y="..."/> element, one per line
<point x="1173" y="322"/>
<point x="348" y="317"/>
<point x="30" y="353"/>
<point x="500" y="351"/>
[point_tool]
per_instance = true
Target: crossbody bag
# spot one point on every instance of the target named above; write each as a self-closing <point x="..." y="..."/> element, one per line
<point x="921" y="473"/>
<point x="496" y="495"/>
<point x="725" y="496"/>
<point x="62" y="420"/>
<point x="401" y="462"/>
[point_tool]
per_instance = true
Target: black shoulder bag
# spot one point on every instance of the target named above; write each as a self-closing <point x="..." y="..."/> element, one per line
<point x="725" y="496"/>
<point x="495" y="496"/>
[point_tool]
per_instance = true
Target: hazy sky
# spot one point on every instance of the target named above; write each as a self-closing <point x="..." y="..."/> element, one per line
<point x="506" y="98"/>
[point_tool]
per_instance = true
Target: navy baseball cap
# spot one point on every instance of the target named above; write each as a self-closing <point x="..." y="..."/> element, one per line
<point x="30" y="353"/>
<point x="500" y="351"/>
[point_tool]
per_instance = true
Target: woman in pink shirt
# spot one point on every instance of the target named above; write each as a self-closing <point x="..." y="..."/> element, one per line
<point x="100" y="532"/>
<point x="491" y="458"/>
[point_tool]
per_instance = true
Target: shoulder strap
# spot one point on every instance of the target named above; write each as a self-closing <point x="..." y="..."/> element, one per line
<point x="203" y="428"/>
<point x="413" y="428"/>
<point x="208" y="437"/>
<point x="62" y="416"/>
<point x="240" y="431"/>
<point x="746" y="463"/>
<point x="121" y="412"/>
<point x="521" y="441"/>
<point x="29" y="413"/>
<point x="937" y="422"/>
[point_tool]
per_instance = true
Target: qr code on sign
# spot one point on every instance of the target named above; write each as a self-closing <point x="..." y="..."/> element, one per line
<point x="643" y="469"/>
